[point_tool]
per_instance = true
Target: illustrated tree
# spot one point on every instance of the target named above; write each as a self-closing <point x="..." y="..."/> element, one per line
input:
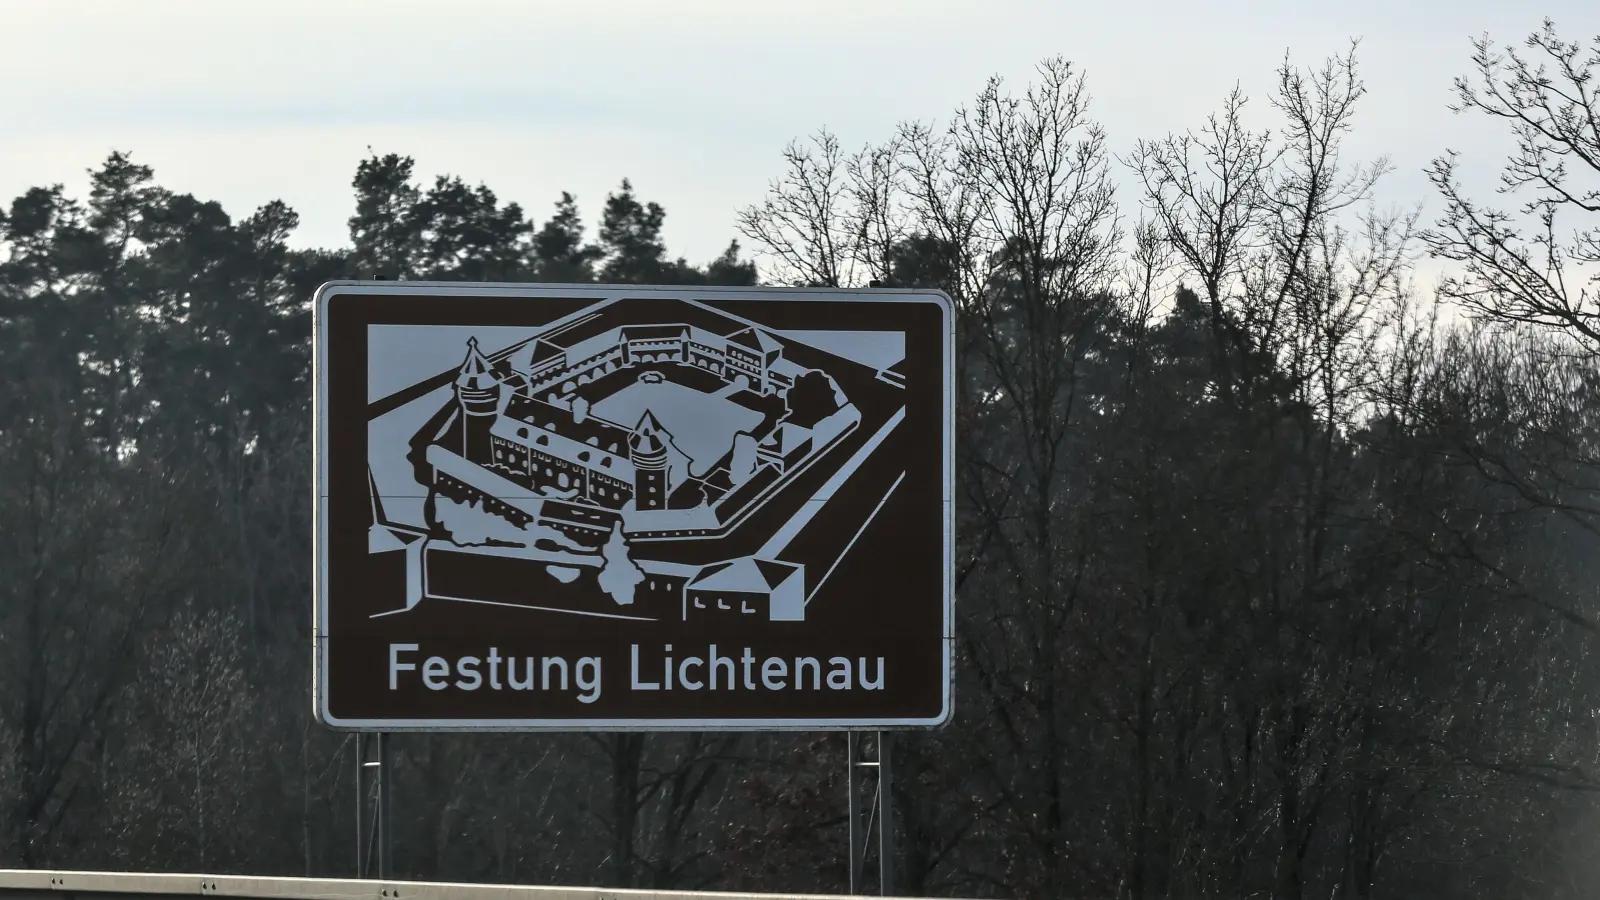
<point x="813" y="397"/>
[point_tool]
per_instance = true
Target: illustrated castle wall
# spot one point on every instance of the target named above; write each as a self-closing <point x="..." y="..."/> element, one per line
<point x="553" y="448"/>
<point x="517" y="424"/>
<point x="554" y="371"/>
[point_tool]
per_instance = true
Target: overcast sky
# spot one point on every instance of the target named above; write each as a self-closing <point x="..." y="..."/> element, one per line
<point x="244" y="102"/>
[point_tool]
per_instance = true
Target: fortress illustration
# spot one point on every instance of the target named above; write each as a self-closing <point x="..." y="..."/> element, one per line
<point x="601" y="450"/>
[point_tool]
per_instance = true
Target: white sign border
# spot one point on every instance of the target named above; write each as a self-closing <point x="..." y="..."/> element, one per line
<point x="332" y="289"/>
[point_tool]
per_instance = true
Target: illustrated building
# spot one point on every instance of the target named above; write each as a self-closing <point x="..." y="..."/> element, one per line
<point x="595" y="444"/>
<point x="543" y="439"/>
<point x="551" y="448"/>
<point x="755" y="354"/>
<point x="654" y="343"/>
<point x="556" y="365"/>
<point x="784" y="445"/>
<point x="765" y="588"/>
<point x="531" y="451"/>
<point x="589" y="524"/>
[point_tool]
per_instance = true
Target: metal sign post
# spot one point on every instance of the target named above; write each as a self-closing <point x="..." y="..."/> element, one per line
<point x="878" y="820"/>
<point x="374" y="840"/>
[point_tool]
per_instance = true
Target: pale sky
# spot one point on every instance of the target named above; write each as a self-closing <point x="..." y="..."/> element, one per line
<point x="245" y="102"/>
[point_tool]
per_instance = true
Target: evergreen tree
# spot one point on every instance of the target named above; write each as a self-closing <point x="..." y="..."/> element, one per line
<point x="385" y="232"/>
<point x="560" y="253"/>
<point x="630" y="236"/>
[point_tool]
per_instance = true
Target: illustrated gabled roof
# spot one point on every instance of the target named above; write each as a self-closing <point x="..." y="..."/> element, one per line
<point x="654" y="332"/>
<point x="755" y="339"/>
<point x="643" y="310"/>
<point x="745" y="575"/>
<point x="543" y="350"/>
<point x="579" y="331"/>
<point x="786" y="437"/>
<point x="788" y="368"/>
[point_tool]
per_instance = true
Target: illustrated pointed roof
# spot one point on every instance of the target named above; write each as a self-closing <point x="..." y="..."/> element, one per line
<point x="647" y="434"/>
<point x="476" y="374"/>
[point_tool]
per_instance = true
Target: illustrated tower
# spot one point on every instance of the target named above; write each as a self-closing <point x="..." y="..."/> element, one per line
<point x="478" y="393"/>
<point x="647" y="449"/>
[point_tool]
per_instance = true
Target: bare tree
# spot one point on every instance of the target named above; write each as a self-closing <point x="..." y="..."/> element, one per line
<point x="1531" y="265"/>
<point x="803" y="224"/>
<point x="660" y="796"/>
<point x="1300" y="288"/>
<point x="92" y="543"/>
<point x="1256" y="219"/>
<point x="1537" y="267"/>
<point x="1018" y="194"/>
<point x="179" y="776"/>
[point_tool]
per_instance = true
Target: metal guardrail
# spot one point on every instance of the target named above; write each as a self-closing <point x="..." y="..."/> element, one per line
<point x="38" y="884"/>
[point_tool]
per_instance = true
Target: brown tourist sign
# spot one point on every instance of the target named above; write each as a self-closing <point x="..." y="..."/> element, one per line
<point x="606" y="507"/>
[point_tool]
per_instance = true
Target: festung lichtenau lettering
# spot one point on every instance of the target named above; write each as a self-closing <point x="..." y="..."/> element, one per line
<point x="661" y="671"/>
